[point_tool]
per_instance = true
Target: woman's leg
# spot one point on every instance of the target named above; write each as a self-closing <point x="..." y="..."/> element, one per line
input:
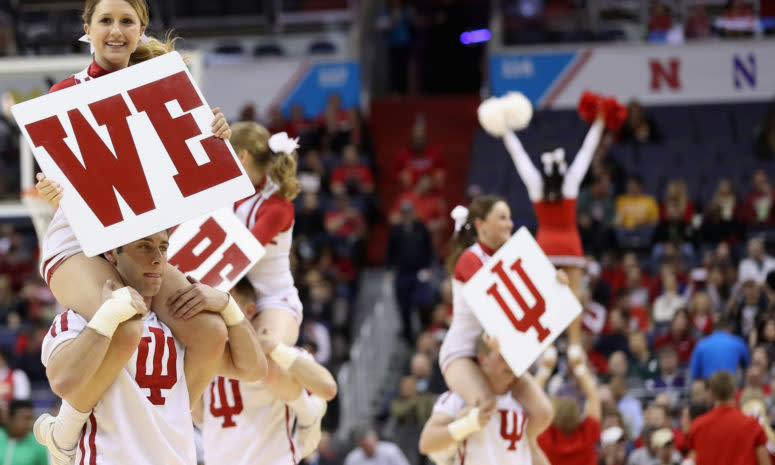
<point x="466" y="379"/>
<point x="574" y="282"/>
<point x="204" y="335"/>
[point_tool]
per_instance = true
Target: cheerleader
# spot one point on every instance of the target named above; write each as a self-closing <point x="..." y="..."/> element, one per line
<point x="116" y="31"/>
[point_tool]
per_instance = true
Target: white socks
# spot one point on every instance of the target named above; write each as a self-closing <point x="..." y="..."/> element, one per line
<point x="68" y="426"/>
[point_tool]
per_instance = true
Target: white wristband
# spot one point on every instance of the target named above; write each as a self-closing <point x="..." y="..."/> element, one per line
<point x="575" y="352"/>
<point x="464" y="427"/>
<point x="232" y="314"/>
<point x="580" y="370"/>
<point x="283" y="356"/>
<point x="543" y="372"/>
<point x="113" y="312"/>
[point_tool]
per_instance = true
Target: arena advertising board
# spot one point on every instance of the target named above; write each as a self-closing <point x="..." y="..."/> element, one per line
<point x="656" y="75"/>
<point x="134" y="151"/>
<point x="216" y="249"/>
<point x="517" y="299"/>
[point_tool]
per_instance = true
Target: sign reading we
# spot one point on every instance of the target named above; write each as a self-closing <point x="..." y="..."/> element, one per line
<point x="216" y="249"/>
<point x="134" y="152"/>
<point x="517" y="299"/>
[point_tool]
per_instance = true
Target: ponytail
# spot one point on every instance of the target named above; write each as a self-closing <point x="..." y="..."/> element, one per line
<point x="467" y="234"/>
<point x="152" y="49"/>
<point x="283" y="172"/>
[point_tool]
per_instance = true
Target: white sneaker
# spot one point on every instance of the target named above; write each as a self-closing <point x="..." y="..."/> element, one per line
<point x="44" y="434"/>
<point x="309" y="436"/>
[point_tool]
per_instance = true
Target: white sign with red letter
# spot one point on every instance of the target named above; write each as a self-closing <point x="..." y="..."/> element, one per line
<point x="216" y="249"/>
<point x="134" y="152"/>
<point x="517" y="299"/>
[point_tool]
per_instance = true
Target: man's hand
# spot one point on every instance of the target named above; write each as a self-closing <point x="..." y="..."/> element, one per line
<point x="198" y="297"/>
<point x="137" y="300"/>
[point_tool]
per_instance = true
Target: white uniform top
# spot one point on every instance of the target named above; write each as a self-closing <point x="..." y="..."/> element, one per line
<point x="58" y="244"/>
<point x="244" y="424"/>
<point x="271" y="276"/>
<point x="460" y="340"/>
<point x="144" y="418"/>
<point x="502" y="441"/>
<point x="575" y="174"/>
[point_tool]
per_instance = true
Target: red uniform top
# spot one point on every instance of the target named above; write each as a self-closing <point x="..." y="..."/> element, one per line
<point x="93" y="71"/>
<point x="576" y="449"/>
<point x="725" y="436"/>
<point x="557" y="232"/>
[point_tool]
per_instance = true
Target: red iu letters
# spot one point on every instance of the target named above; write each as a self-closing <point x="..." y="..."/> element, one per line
<point x="532" y="314"/>
<point x="225" y="410"/>
<point x="101" y="170"/>
<point x="512" y="427"/>
<point x="174" y="132"/>
<point x="156" y="381"/>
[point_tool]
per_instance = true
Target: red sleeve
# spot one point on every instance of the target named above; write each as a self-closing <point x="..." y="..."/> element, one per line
<point x="545" y="439"/>
<point x="760" y="437"/>
<point x="69" y="82"/>
<point x="591" y="431"/>
<point x="467" y="266"/>
<point x="275" y="216"/>
<point x="338" y="175"/>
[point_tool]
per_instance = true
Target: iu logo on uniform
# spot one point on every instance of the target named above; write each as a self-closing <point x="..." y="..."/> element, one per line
<point x="532" y="316"/>
<point x="224" y="409"/>
<point x="156" y="380"/>
<point x="512" y="427"/>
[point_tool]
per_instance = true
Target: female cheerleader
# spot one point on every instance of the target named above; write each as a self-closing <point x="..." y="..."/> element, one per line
<point x="480" y="232"/>
<point x="115" y="28"/>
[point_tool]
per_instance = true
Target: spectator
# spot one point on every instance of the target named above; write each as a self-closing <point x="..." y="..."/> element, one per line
<point x="309" y="219"/>
<point x="759" y="206"/>
<point x="313" y="176"/>
<point x="617" y="365"/>
<point x="738" y="19"/>
<point x="412" y="407"/>
<point x="724" y="434"/>
<point x="669" y="377"/>
<point x="663" y="444"/>
<point x="645" y="454"/>
<point x="571" y="438"/>
<point x="719" y="351"/>
<point x="679" y="337"/>
<point x="699" y="310"/>
<point x="765" y="137"/>
<point x="397" y="26"/>
<point x="642" y="364"/>
<point x="639" y="127"/>
<point x="677" y="198"/>
<point x="372" y="451"/>
<point x="419" y="159"/>
<point x="17" y="443"/>
<point x="698" y="24"/>
<point x="595" y="210"/>
<point x="345" y="222"/>
<point x="699" y="392"/>
<point x="613" y="446"/>
<point x="764" y="337"/>
<point x="327" y="452"/>
<point x="352" y="177"/>
<point x="410" y="257"/>
<point x="14" y="384"/>
<point x="747" y="307"/>
<point x="617" y="338"/>
<point x="420" y="368"/>
<point x="754" y="381"/>
<point x="429" y="206"/>
<point x="660" y="20"/>
<point x="758" y="264"/>
<point x="668" y="303"/>
<point x="298" y="126"/>
<point x="720" y="220"/>
<point x="631" y="408"/>
<point x="658" y="415"/>
<point x="636" y="215"/>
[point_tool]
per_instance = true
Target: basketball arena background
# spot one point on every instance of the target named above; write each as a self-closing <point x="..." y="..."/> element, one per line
<point x="384" y="95"/>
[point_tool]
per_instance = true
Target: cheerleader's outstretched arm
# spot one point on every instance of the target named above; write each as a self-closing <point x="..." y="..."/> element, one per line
<point x="529" y="174"/>
<point x="577" y="170"/>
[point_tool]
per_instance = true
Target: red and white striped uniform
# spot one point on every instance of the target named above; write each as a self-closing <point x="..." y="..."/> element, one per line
<point x="60" y="242"/>
<point x="270" y="218"/>
<point x="501" y="441"/>
<point x="558" y="233"/>
<point x="460" y="340"/>
<point x="245" y="424"/>
<point x="144" y="417"/>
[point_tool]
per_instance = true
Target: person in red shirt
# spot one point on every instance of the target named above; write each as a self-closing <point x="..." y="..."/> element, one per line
<point x="352" y="176"/>
<point x="725" y="435"/>
<point x="571" y="438"/>
<point x="679" y="337"/>
<point x="660" y="20"/>
<point x="759" y="206"/>
<point x="419" y="159"/>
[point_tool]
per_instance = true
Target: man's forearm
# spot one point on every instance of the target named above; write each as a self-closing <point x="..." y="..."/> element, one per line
<point x="72" y="366"/>
<point x="243" y="358"/>
<point x="314" y="377"/>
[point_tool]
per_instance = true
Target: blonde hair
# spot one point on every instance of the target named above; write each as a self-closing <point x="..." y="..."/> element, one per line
<point x="145" y="50"/>
<point x="567" y="414"/>
<point x="281" y="167"/>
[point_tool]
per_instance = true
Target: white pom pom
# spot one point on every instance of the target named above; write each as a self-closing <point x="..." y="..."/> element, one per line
<point x="491" y="117"/>
<point x="518" y="110"/>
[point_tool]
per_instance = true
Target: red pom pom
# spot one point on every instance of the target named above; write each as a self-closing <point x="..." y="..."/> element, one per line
<point x="615" y="113"/>
<point x="589" y="106"/>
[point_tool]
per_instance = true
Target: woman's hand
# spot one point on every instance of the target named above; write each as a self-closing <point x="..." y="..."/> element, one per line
<point x="48" y="189"/>
<point x="219" y="125"/>
<point x="198" y="297"/>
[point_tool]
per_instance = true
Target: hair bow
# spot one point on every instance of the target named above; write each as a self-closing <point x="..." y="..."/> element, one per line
<point x="556" y="156"/>
<point x="460" y="215"/>
<point x="281" y="143"/>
